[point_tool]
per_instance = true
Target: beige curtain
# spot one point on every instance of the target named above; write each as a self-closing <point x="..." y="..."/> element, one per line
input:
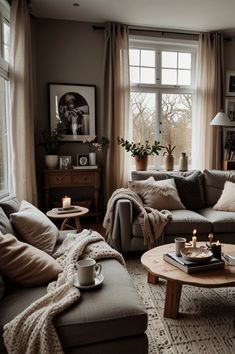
<point x="206" y="151"/>
<point x="116" y="104"/>
<point x="22" y="127"/>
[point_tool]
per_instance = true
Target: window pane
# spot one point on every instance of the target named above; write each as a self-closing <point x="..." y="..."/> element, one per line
<point x="176" y="118"/>
<point x="184" y="77"/>
<point x="169" y="59"/>
<point x="134" y="74"/>
<point x="6" y="40"/>
<point x="169" y="76"/>
<point x="147" y="76"/>
<point x="3" y="139"/>
<point x="134" y="56"/>
<point x="147" y="58"/>
<point x="184" y="61"/>
<point x="143" y="106"/>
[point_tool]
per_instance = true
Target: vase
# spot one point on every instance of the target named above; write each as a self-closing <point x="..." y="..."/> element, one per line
<point x="183" y="162"/>
<point x="92" y="158"/>
<point x="141" y="163"/>
<point x="51" y="161"/>
<point x="169" y="162"/>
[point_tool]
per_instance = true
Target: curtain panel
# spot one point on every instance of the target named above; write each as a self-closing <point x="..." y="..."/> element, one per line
<point x="206" y="147"/>
<point x="116" y="103"/>
<point x="22" y="122"/>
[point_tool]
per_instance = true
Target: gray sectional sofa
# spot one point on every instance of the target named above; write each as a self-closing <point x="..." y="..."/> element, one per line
<point x="110" y="319"/>
<point x="199" y="192"/>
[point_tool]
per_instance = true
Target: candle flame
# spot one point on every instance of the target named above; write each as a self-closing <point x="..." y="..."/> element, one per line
<point x="194" y="232"/>
<point x="217" y="243"/>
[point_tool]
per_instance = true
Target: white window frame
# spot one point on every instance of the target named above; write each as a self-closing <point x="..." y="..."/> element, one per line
<point x="159" y="45"/>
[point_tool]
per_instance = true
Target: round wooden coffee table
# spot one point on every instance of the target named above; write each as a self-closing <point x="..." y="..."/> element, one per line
<point x="66" y="216"/>
<point x="158" y="268"/>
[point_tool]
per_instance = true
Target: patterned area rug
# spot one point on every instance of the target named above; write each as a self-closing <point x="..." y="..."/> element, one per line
<point x="206" y="323"/>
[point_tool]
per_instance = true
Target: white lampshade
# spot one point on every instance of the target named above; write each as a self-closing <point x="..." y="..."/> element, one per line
<point x="221" y="118"/>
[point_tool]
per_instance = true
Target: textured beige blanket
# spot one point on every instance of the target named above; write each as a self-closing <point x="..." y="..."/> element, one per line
<point x="152" y="221"/>
<point x="32" y="331"/>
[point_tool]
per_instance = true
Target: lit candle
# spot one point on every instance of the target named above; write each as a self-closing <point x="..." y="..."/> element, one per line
<point x="66" y="202"/>
<point x="210" y="236"/>
<point x="194" y="239"/>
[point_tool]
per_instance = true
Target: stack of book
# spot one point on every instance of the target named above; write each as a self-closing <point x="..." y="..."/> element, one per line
<point x="192" y="267"/>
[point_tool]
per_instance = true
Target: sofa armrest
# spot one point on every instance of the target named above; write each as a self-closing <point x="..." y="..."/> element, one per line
<point x="122" y="225"/>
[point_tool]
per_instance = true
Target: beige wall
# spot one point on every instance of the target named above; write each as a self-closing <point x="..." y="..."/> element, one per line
<point x="64" y="52"/>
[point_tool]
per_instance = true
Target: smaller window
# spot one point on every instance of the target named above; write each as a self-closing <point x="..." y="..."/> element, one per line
<point x="142" y="66"/>
<point x="176" y="68"/>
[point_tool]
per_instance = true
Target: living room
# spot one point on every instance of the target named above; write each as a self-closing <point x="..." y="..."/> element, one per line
<point x="70" y="55"/>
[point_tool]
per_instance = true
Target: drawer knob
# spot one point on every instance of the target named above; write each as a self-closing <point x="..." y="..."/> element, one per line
<point x="59" y="178"/>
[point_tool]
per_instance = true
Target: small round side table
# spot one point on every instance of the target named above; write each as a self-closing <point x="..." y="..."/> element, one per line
<point x="68" y="215"/>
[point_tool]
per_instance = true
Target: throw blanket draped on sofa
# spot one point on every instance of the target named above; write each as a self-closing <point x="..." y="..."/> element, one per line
<point x="152" y="221"/>
<point x="32" y="331"/>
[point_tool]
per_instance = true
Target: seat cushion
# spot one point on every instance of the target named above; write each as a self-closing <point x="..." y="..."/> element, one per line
<point x="183" y="222"/>
<point x="112" y="311"/>
<point x="222" y="221"/>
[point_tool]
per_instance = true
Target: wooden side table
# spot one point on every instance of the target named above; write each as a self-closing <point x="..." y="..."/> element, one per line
<point x="66" y="216"/>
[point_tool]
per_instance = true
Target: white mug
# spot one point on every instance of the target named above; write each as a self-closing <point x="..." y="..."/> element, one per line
<point x="179" y="244"/>
<point x="88" y="270"/>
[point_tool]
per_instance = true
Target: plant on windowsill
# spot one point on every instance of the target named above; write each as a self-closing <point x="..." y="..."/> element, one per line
<point x="95" y="145"/>
<point x="52" y="141"/>
<point x="141" y="151"/>
<point x="169" y="158"/>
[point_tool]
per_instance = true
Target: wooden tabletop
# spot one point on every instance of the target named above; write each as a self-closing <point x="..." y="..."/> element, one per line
<point x="153" y="262"/>
<point x="81" y="211"/>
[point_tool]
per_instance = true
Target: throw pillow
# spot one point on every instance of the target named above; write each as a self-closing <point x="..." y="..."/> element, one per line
<point x="35" y="228"/>
<point x="227" y="200"/>
<point x="190" y="189"/>
<point x="5" y="224"/>
<point x="10" y="205"/>
<point x="2" y="287"/>
<point x="158" y="194"/>
<point x="25" y="264"/>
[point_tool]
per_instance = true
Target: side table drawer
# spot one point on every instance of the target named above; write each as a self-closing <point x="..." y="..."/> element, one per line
<point x="84" y="179"/>
<point x="59" y="180"/>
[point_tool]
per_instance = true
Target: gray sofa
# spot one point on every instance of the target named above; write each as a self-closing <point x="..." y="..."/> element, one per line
<point x="198" y="191"/>
<point x="110" y="319"/>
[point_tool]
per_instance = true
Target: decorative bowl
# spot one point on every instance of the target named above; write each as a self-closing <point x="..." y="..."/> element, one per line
<point x="196" y="254"/>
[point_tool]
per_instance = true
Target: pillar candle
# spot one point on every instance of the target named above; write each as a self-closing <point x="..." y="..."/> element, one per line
<point x="66" y="202"/>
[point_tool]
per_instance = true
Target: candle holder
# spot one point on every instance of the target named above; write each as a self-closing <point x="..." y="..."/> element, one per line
<point x="216" y="250"/>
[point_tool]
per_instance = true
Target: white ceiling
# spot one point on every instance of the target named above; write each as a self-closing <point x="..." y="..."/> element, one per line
<point x="192" y="15"/>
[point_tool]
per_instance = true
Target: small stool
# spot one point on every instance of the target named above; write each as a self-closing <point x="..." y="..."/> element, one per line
<point x="68" y="215"/>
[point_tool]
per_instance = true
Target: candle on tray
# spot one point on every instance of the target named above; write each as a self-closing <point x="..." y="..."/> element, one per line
<point x="210" y="236"/>
<point x="194" y="239"/>
<point x="66" y="202"/>
<point x="216" y="249"/>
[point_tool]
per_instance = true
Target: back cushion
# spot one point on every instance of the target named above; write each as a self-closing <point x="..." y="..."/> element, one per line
<point x="214" y="181"/>
<point x="157" y="175"/>
<point x="191" y="190"/>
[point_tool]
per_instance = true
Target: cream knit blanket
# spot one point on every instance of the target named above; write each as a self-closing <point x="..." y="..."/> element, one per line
<point x="152" y="221"/>
<point x="32" y="331"/>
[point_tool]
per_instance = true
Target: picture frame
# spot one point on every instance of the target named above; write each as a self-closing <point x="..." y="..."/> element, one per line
<point x="230" y="83"/>
<point x="65" y="162"/>
<point x="229" y="143"/>
<point x="82" y="160"/>
<point x="230" y="109"/>
<point x="72" y="108"/>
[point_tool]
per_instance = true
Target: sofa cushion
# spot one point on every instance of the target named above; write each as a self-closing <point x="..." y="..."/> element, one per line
<point x="191" y="190"/>
<point x="25" y="264"/>
<point x="226" y="201"/>
<point x="214" y="184"/>
<point x="183" y="222"/>
<point x="222" y="221"/>
<point x="157" y="175"/>
<point x="111" y="311"/>
<point x="10" y="205"/>
<point x="158" y="194"/>
<point x="5" y="224"/>
<point x="35" y="227"/>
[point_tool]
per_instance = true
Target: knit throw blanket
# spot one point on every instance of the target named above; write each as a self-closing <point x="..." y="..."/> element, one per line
<point x="32" y="331"/>
<point x="152" y="221"/>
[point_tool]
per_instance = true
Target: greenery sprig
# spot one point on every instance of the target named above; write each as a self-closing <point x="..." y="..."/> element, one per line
<point x="52" y="140"/>
<point x="140" y="149"/>
<point x="169" y="149"/>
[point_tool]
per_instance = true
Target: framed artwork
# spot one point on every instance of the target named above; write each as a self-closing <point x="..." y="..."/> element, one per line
<point x="82" y="160"/>
<point x="72" y="108"/>
<point x="230" y="108"/>
<point x="229" y="143"/>
<point x="230" y="83"/>
<point x="65" y="162"/>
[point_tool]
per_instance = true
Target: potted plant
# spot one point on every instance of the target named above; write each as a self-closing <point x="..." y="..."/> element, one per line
<point x="169" y="158"/>
<point x="95" y="144"/>
<point x="140" y="151"/>
<point x="52" y="142"/>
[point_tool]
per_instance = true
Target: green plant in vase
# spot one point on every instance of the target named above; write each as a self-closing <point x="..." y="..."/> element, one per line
<point x="169" y="158"/>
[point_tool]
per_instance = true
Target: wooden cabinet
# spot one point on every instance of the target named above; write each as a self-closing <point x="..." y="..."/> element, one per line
<point x="228" y="165"/>
<point x="82" y="179"/>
